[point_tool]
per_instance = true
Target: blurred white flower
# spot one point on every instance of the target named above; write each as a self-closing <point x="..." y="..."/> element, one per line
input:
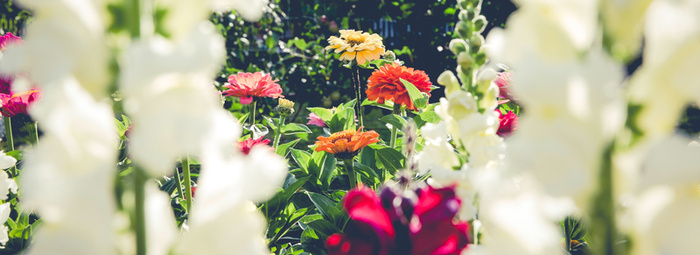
<point x="4" y="215"/>
<point x="68" y="177"/>
<point x="622" y="20"/>
<point x="666" y="81"/>
<point x="64" y="38"/>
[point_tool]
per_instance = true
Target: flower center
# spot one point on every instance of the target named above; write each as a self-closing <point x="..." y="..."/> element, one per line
<point x="355" y="40"/>
<point x="347" y="134"/>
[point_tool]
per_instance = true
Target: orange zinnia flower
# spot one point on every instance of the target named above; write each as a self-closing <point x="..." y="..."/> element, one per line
<point x="385" y="84"/>
<point x="346" y="144"/>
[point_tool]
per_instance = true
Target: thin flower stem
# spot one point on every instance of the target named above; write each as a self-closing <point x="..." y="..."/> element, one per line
<point x="179" y="184"/>
<point x="10" y="142"/>
<point x="358" y="94"/>
<point x="351" y="172"/>
<point x="139" y="224"/>
<point x="394" y="130"/>
<point x="251" y="114"/>
<point x="278" y="132"/>
<point x="8" y="134"/>
<point x="36" y="133"/>
<point x="188" y="182"/>
<point x="603" y="216"/>
<point x="567" y="230"/>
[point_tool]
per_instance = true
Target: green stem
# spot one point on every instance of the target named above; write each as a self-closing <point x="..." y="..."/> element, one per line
<point x="36" y="133"/>
<point x="394" y="130"/>
<point x="134" y="18"/>
<point x="358" y="95"/>
<point x="351" y="172"/>
<point x="179" y="184"/>
<point x="188" y="183"/>
<point x="140" y="213"/>
<point x="8" y="134"/>
<point x="278" y="133"/>
<point x="604" y="226"/>
<point x="567" y="230"/>
<point x="251" y="112"/>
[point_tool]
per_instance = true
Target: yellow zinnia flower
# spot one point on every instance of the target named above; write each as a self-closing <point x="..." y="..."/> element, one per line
<point x="357" y="45"/>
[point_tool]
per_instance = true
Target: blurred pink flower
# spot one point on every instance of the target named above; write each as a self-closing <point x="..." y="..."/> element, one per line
<point x="508" y="123"/>
<point x="315" y="120"/>
<point x="248" y="144"/>
<point x="13" y="105"/>
<point x="503" y="82"/>
<point x="8" y="39"/>
<point x="249" y="85"/>
<point x="6" y="84"/>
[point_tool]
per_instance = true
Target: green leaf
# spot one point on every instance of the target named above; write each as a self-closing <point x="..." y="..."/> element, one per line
<point x="243" y="118"/>
<point x="270" y="122"/>
<point x="395" y="120"/>
<point x="349" y="104"/>
<point x="365" y="171"/>
<point x="426" y="117"/>
<point x="283" y="149"/>
<point x="326" y="165"/>
<point x="302" y="158"/>
<point x="416" y="96"/>
<point x="342" y="120"/>
<point x="295" y="128"/>
<point x="325" y="114"/>
<point x="325" y="206"/>
<point x="389" y="157"/>
<point x="323" y="228"/>
<point x="388" y="105"/>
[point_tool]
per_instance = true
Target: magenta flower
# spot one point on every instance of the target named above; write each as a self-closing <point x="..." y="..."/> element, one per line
<point x="315" y="120"/>
<point x="381" y="225"/>
<point x="13" y="105"/>
<point x="248" y="144"/>
<point x="8" y="39"/>
<point x="508" y="123"/>
<point x="249" y="85"/>
<point x="6" y="84"/>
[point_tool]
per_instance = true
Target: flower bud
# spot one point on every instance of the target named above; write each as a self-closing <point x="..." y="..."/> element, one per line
<point x="464" y="15"/>
<point x="480" y="58"/>
<point x="480" y="23"/>
<point x="458" y="46"/>
<point x="475" y="42"/>
<point x="389" y="56"/>
<point x="463" y="4"/>
<point x="463" y="29"/>
<point x="285" y="107"/>
<point x="464" y="59"/>
<point x="471" y="14"/>
<point x="449" y="80"/>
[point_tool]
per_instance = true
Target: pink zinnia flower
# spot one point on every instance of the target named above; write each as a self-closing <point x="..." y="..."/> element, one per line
<point x="6" y="84"/>
<point x="248" y="144"/>
<point x="13" y="105"/>
<point x="508" y="123"/>
<point x="249" y="85"/>
<point x="315" y="120"/>
<point x="503" y="83"/>
<point x="8" y="39"/>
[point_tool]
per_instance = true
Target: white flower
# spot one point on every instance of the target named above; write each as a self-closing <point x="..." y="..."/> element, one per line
<point x="64" y="38"/>
<point x="623" y="24"/>
<point x="67" y="178"/>
<point x="4" y="215"/>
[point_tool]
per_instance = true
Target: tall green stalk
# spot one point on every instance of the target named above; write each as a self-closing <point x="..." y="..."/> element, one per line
<point x="278" y="132"/>
<point x="139" y="223"/>
<point x="251" y="114"/>
<point x="358" y="93"/>
<point x="604" y="225"/>
<point x="188" y="182"/>
<point x="351" y="172"/>
<point x="8" y="134"/>
<point x="394" y="130"/>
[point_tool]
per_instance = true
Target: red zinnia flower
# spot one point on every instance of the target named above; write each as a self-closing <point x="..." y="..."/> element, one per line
<point x="249" y="85"/>
<point x="8" y="39"/>
<point x="508" y="123"/>
<point x="385" y="84"/>
<point x="247" y="144"/>
<point x="13" y="105"/>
